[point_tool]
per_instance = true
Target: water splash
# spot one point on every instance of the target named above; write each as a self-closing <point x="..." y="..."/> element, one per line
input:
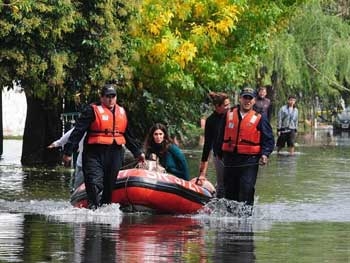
<point x="227" y="208"/>
<point x="62" y="211"/>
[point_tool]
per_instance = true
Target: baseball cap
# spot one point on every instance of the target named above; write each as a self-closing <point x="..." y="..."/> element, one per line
<point x="248" y="91"/>
<point x="108" y="89"/>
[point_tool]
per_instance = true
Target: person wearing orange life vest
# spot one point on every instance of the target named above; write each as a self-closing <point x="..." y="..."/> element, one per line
<point x="106" y="127"/>
<point x="245" y="140"/>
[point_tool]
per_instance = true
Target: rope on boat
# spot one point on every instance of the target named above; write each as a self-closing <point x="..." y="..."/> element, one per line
<point x="126" y="192"/>
<point x="131" y="164"/>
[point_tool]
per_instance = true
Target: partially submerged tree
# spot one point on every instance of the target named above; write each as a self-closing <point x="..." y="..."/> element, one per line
<point x="32" y="54"/>
<point x="54" y="49"/>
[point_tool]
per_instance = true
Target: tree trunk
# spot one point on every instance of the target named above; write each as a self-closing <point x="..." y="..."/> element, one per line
<point x="42" y="127"/>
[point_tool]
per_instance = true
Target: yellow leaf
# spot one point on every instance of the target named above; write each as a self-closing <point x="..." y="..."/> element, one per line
<point x="154" y="29"/>
<point x="185" y="53"/>
<point x="198" y="30"/>
<point x="198" y="10"/>
<point x="224" y="26"/>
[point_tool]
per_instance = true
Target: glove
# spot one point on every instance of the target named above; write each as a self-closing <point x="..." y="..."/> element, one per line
<point x="142" y="158"/>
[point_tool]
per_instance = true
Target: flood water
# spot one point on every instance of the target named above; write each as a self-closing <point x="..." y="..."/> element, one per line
<point x="302" y="214"/>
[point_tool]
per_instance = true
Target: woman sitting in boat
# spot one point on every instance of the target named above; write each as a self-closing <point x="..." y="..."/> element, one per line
<point x="159" y="143"/>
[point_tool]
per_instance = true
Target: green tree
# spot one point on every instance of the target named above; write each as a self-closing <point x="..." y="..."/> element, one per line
<point x="32" y="56"/>
<point x="165" y="55"/>
<point x="53" y="50"/>
<point x="311" y="57"/>
<point x="183" y="49"/>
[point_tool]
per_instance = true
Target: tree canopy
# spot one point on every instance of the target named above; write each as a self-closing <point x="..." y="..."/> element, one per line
<point x="311" y="58"/>
<point x="166" y="55"/>
<point x="183" y="49"/>
<point x="55" y="50"/>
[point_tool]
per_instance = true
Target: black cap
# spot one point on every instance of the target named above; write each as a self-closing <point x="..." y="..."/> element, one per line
<point x="248" y="91"/>
<point x="108" y="89"/>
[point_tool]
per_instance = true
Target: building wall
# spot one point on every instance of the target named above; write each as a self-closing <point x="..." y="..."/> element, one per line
<point x="14" y="111"/>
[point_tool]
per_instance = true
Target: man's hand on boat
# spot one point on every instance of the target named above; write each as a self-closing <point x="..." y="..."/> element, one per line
<point x="67" y="160"/>
<point x="142" y="158"/>
<point x="200" y="180"/>
<point x="203" y="167"/>
<point x="205" y="183"/>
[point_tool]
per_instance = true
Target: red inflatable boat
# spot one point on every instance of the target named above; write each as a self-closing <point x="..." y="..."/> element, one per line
<point x="144" y="190"/>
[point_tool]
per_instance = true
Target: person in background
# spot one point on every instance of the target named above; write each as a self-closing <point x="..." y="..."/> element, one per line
<point x="287" y="125"/>
<point x="245" y="140"/>
<point x="106" y="127"/>
<point x="78" y="177"/>
<point x="159" y="143"/>
<point x="263" y="104"/>
<point x="221" y="104"/>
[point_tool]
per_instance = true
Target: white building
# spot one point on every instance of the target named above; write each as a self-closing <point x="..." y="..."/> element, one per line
<point x="14" y="111"/>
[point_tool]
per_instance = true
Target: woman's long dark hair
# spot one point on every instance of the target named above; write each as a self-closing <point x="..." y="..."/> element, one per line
<point x="149" y="142"/>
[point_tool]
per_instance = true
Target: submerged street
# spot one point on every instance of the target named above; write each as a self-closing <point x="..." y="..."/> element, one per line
<point x="302" y="214"/>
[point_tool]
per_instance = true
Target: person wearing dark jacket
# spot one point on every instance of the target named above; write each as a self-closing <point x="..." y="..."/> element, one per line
<point x="107" y="130"/>
<point x="221" y="104"/>
<point x="262" y="103"/>
<point x="245" y="140"/>
<point x="159" y="144"/>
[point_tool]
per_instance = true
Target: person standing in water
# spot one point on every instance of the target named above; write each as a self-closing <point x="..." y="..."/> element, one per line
<point x="106" y="127"/>
<point x="245" y="141"/>
<point x="221" y="104"/>
<point x="262" y="103"/>
<point x="287" y="125"/>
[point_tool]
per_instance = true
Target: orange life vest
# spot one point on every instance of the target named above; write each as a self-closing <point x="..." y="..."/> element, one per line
<point x="242" y="135"/>
<point x="108" y="127"/>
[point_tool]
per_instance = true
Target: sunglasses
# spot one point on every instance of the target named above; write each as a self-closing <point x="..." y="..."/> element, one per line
<point x="111" y="96"/>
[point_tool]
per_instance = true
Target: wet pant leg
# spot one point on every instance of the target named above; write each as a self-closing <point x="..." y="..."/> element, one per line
<point x="240" y="173"/>
<point x="231" y="185"/>
<point x="113" y="163"/>
<point x="231" y="178"/>
<point x="219" y="168"/>
<point x="93" y="167"/>
<point x="248" y="177"/>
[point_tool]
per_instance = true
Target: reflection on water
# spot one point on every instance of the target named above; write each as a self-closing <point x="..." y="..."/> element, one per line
<point x="161" y="238"/>
<point x="302" y="214"/>
<point x="11" y="237"/>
